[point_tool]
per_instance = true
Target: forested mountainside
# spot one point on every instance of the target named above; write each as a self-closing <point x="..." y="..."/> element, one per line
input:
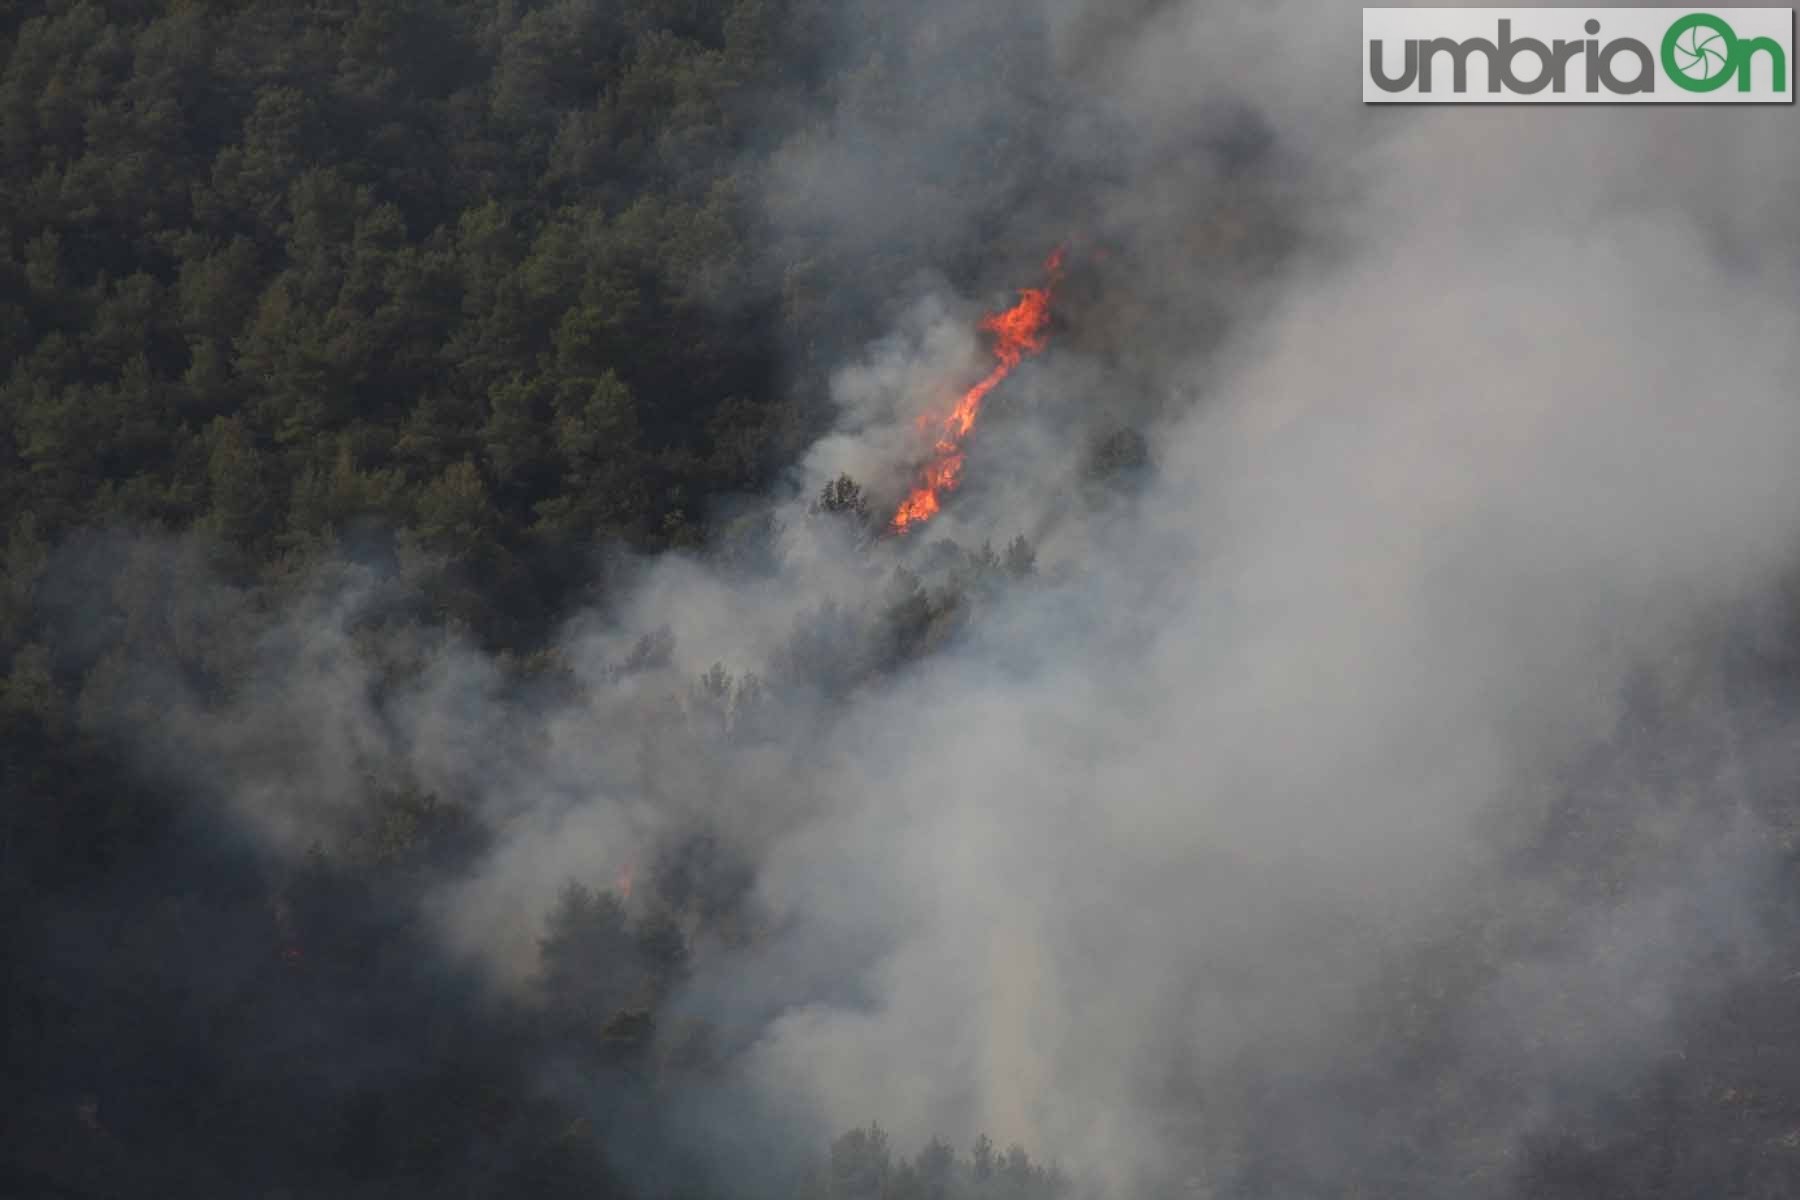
<point x="484" y="275"/>
<point x="476" y="293"/>
<point x="469" y="725"/>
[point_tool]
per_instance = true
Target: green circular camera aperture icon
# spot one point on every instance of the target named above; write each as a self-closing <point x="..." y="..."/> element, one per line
<point x="1700" y="52"/>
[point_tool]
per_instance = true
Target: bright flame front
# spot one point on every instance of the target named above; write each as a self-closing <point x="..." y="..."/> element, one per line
<point x="1018" y="331"/>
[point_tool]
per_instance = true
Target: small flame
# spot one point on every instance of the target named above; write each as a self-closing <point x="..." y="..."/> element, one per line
<point x="1018" y="331"/>
<point x="622" y="884"/>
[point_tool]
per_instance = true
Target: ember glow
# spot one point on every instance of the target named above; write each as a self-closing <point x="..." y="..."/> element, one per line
<point x="1018" y="331"/>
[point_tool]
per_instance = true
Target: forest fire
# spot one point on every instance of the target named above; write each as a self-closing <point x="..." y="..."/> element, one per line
<point x="1018" y="331"/>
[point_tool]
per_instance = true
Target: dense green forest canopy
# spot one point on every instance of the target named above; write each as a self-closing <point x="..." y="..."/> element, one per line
<point x="485" y="275"/>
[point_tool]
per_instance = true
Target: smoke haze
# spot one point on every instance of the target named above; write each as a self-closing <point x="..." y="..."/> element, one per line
<point x="1208" y="854"/>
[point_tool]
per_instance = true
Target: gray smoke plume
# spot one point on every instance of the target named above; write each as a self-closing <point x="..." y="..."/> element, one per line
<point x="1210" y="854"/>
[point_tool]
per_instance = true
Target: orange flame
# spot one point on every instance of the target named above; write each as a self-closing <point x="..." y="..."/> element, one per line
<point x="1018" y="331"/>
<point x="622" y="885"/>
